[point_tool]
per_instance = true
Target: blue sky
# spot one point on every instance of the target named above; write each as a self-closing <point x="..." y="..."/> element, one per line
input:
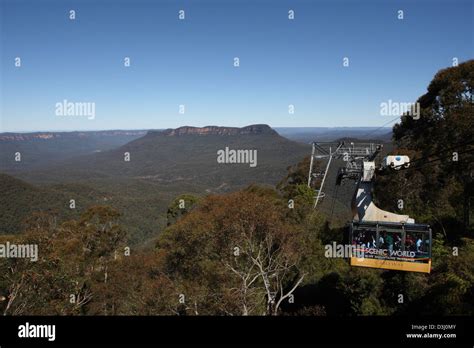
<point x="190" y="62"/>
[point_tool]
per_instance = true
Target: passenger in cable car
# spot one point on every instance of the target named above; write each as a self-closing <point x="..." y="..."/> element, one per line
<point x="373" y="243"/>
<point x="419" y="245"/>
<point x="398" y="241"/>
<point x="367" y="239"/>
<point x="409" y="243"/>
<point x="389" y="241"/>
<point x="381" y="240"/>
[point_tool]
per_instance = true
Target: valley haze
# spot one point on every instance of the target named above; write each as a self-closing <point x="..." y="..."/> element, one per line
<point x="90" y="167"/>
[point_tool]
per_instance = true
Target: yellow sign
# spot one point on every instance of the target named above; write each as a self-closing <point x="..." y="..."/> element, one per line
<point x="393" y="265"/>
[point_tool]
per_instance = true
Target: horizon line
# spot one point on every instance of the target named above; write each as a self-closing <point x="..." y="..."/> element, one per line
<point x="155" y="129"/>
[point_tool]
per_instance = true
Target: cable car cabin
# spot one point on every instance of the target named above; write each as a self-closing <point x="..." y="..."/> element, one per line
<point x="394" y="246"/>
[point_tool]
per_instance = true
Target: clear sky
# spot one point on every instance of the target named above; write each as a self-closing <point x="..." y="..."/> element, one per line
<point x="190" y="61"/>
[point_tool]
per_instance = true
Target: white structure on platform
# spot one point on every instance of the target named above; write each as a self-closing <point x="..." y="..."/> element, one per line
<point x="396" y="162"/>
<point x="364" y="209"/>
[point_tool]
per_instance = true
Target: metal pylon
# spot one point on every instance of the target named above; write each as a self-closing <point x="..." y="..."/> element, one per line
<point x="352" y="154"/>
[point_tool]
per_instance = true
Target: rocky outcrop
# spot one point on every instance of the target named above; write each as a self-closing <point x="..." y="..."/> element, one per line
<point x="257" y="129"/>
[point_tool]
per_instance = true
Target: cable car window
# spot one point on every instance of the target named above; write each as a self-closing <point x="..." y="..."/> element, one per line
<point x="418" y="243"/>
<point x="365" y="238"/>
<point x="392" y="241"/>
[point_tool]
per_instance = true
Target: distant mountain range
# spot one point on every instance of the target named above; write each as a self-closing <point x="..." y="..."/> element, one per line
<point x="186" y="154"/>
<point x="92" y="168"/>
<point x="163" y="164"/>
<point x="69" y="135"/>
<point x="41" y="149"/>
<point x="324" y="134"/>
<point x="45" y="148"/>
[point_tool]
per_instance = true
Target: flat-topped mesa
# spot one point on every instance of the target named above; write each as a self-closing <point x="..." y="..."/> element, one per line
<point x="256" y="129"/>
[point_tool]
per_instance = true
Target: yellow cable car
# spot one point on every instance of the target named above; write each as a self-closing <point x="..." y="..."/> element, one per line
<point x="393" y="246"/>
